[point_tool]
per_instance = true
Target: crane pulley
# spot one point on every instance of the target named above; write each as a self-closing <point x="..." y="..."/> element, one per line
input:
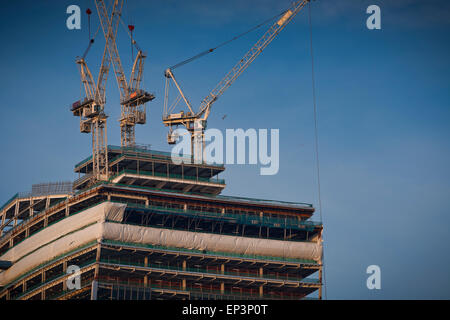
<point x="195" y="121"/>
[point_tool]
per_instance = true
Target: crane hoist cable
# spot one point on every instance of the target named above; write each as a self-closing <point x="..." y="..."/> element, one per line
<point x="129" y="31"/>
<point x="203" y="53"/>
<point x="88" y="12"/>
<point x="91" y="40"/>
<point x="316" y="138"/>
<point x="131" y="28"/>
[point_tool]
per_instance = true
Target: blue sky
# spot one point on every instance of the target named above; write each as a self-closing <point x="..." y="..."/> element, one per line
<point x="383" y="108"/>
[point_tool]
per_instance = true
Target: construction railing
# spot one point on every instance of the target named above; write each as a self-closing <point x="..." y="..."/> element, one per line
<point x="252" y="276"/>
<point x="212" y="253"/>
<point x="170" y="176"/>
<point x="287" y="222"/>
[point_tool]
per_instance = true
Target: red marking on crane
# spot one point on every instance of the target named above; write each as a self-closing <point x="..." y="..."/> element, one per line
<point x="131" y="27"/>
<point x="88" y="11"/>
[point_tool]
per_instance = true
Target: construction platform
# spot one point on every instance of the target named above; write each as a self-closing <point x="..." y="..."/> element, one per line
<point x="156" y="230"/>
<point x="150" y="168"/>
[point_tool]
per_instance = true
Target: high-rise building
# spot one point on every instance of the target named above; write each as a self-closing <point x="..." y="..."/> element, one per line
<point x="155" y="230"/>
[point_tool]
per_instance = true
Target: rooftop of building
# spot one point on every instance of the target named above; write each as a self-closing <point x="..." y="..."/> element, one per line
<point x="143" y="166"/>
<point x="147" y="152"/>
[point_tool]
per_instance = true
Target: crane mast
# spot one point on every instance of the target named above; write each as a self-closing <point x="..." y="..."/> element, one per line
<point x="109" y="28"/>
<point x="91" y="108"/>
<point x="132" y="98"/>
<point x="195" y="123"/>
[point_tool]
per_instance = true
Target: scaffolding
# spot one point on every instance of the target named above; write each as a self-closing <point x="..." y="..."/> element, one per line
<point x="135" y="236"/>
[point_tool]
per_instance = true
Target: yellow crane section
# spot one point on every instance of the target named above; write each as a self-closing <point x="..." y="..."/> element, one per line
<point x="195" y="122"/>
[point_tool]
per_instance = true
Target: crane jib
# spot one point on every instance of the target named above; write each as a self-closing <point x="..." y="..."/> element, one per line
<point x="283" y="19"/>
<point x="175" y="119"/>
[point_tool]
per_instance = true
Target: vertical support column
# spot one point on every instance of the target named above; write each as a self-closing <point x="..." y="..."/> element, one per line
<point x="146" y="281"/>
<point x="96" y="274"/>
<point x="94" y="289"/>
<point x="261" y="287"/>
<point x="42" y="281"/>
<point x="16" y="212"/>
<point x="105" y="145"/>
<point x="184" y="280"/>
<point x="65" y="271"/>
<point x="31" y="211"/>
<point x="47" y="203"/>
<point x="222" y="284"/>
<point x="95" y="167"/>
<point x="146" y="276"/>
<point x="3" y="221"/>
<point x="67" y="210"/>
<point x="320" y="280"/>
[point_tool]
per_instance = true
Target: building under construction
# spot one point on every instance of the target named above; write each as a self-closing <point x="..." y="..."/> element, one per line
<point x="143" y="224"/>
<point x="156" y="230"/>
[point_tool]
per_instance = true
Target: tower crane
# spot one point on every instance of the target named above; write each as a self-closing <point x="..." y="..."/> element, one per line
<point x="91" y="108"/>
<point x="132" y="98"/>
<point x="195" y="121"/>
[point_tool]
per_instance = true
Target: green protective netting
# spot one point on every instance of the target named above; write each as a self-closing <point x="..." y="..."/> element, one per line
<point x="266" y="221"/>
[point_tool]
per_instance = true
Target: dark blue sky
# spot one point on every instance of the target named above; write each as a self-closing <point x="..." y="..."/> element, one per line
<point x="382" y="95"/>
